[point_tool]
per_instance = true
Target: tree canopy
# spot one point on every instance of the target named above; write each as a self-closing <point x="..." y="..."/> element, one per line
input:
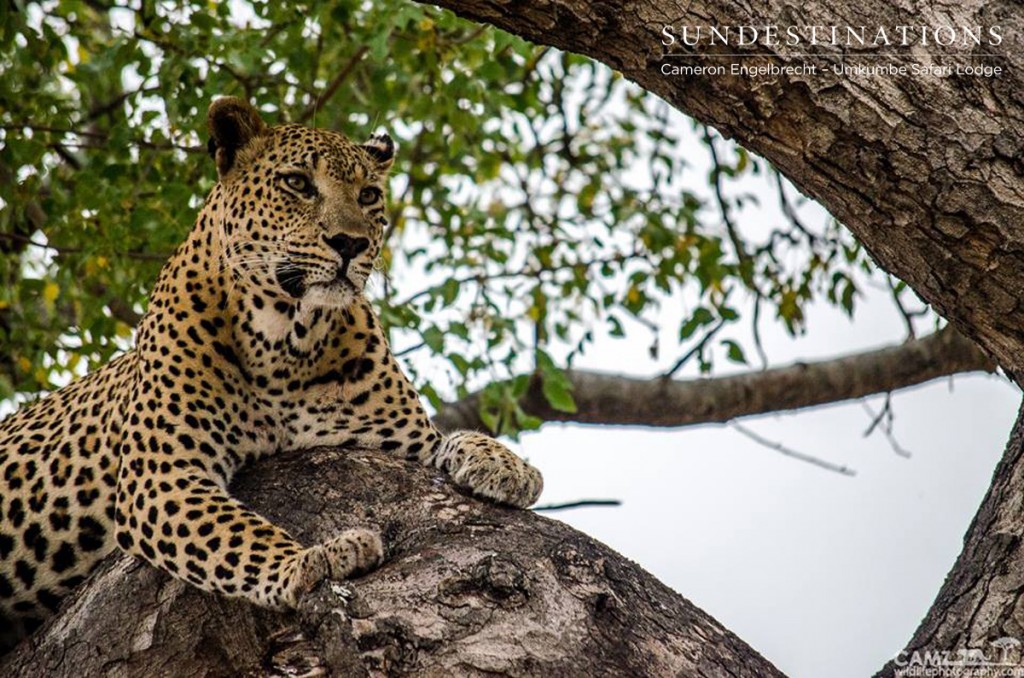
<point x="537" y="201"/>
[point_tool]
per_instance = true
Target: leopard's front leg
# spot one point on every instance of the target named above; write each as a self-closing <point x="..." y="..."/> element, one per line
<point x="486" y="468"/>
<point x="474" y="461"/>
<point x="173" y="511"/>
<point x="382" y="409"/>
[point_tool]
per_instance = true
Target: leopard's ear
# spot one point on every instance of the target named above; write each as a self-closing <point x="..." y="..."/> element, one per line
<point x="382" y="149"/>
<point x="233" y="123"/>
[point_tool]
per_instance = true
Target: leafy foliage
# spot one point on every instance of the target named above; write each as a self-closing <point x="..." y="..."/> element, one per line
<point x="538" y="197"/>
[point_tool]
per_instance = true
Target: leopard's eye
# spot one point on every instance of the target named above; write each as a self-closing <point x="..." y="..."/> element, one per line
<point x="299" y="183"/>
<point x="369" y="195"/>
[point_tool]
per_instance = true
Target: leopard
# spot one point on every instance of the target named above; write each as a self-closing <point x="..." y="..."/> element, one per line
<point x="258" y="338"/>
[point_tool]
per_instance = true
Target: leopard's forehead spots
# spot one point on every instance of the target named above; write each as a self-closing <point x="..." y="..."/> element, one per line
<point x="323" y="151"/>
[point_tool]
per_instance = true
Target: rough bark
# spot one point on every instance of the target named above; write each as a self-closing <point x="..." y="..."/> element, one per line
<point x="928" y="172"/>
<point x="468" y="589"/>
<point x="619" y="400"/>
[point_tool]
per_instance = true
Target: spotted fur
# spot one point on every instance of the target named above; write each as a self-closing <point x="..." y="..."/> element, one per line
<point x="258" y="338"/>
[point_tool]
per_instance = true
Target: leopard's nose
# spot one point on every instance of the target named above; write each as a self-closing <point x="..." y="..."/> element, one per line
<point x="347" y="246"/>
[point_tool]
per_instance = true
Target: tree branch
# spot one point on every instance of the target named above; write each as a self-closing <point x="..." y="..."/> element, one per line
<point x="613" y="399"/>
<point x="467" y="589"/>
<point x="333" y="86"/>
<point x="98" y="137"/>
<point x="582" y="503"/>
<point x="776" y="446"/>
<point x="64" y="251"/>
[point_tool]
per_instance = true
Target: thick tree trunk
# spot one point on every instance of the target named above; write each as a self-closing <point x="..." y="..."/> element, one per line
<point x="468" y="589"/>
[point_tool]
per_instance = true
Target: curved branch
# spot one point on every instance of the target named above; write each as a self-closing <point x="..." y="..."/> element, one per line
<point x="613" y="399"/>
<point x="468" y="589"/>
<point x="332" y="87"/>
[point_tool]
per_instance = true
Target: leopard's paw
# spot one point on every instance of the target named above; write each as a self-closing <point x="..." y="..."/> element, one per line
<point x="351" y="553"/>
<point x="488" y="469"/>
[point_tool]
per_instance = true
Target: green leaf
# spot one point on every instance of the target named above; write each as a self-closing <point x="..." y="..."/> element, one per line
<point x="428" y="392"/>
<point x="558" y="395"/>
<point x="434" y="338"/>
<point x="849" y="292"/>
<point x="734" y="352"/>
<point x="490" y="420"/>
<point x="449" y="291"/>
<point x="555" y="385"/>
<point x="528" y="422"/>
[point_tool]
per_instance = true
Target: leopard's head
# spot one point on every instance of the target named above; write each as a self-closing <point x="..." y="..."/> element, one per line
<point x="300" y="211"/>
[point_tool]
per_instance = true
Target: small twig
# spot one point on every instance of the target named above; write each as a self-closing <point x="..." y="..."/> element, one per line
<point x="789" y="452"/>
<point x="790" y="212"/>
<point x="579" y="504"/>
<point x="25" y="240"/>
<point x="883" y="421"/>
<point x="333" y="86"/>
<point x="101" y="136"/>
<point x="755" y="326"/>
<point x="102" y="109"/>
<point x="471" y="37"/>
<point x="526" y="272"/>
<point x="275" y="30"/>
<point x="877" y="419"/>
<point x="746" y="263"/>
<point x="693" y="351"/>
<point x="895" y="445"/>
<point x="247" y="81"/>
<point x="530" y="69"/>
<point x="415" y="157"/>
<point x="411" y="349"/>
<point x="907" y="319"/>
<point x="14" y="127"/>
<point x="64" y="154"/>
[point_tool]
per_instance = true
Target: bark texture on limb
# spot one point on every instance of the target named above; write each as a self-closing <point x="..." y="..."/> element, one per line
<point x="619" y="400"/>
<point x="927" y="171"/>
<point x="468" y="589"/>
